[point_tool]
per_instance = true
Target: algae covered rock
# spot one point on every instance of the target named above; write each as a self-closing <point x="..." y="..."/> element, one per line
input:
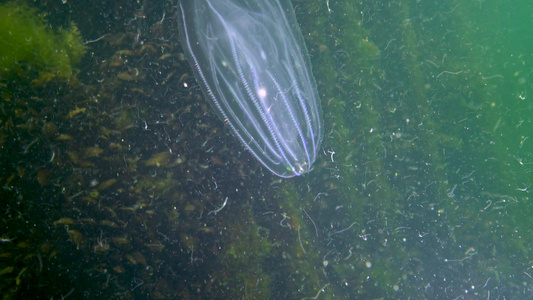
<point x="29" y="45"/>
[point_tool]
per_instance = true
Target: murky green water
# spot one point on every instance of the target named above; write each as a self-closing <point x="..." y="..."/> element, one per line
<point x="430" y="119"/>
<point x="121" y="183"/>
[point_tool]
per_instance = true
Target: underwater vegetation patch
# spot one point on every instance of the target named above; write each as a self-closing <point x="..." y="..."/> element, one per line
<point x="28" y="45"/>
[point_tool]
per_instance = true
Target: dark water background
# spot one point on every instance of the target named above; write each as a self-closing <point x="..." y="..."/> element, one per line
<point x="112" y="179"/>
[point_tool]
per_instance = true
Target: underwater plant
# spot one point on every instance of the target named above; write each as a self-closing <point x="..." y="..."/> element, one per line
<point x="28" y="45"/>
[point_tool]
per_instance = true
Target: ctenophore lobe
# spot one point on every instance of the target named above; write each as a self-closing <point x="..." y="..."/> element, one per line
<point x="250" y="59"/>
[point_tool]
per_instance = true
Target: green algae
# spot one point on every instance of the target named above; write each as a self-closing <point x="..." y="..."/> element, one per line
<point x="30" y="46"/>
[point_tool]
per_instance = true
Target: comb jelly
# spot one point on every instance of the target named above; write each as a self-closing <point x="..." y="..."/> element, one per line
<point x="251" y="62"/>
